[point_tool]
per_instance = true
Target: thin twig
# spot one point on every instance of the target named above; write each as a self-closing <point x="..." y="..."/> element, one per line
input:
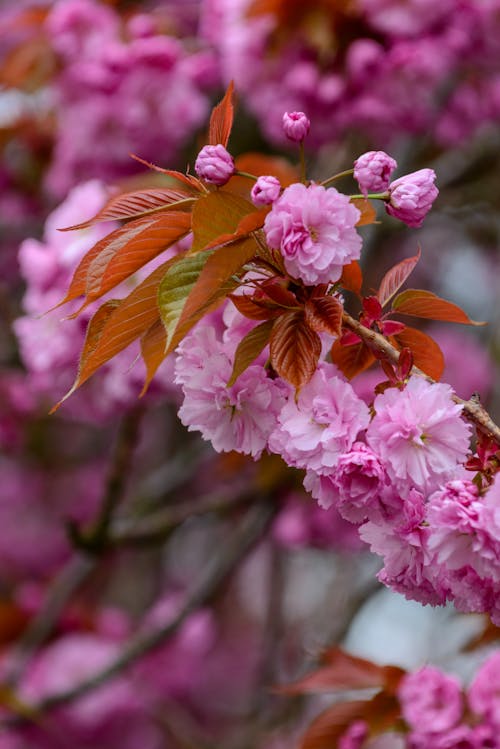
<point x="472" y="409"/>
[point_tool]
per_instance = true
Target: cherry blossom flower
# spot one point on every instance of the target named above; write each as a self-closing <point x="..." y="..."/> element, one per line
<point x="315" y="230"/>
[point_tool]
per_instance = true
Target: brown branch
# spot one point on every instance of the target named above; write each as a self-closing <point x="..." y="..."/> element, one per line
<point x="251" y="530"/>
<point x="472" y="409"/>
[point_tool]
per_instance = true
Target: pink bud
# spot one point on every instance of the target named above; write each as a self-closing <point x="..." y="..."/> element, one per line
<point x="373" y="171"/>
<point x="265" y="191"/>
<point x="296" y="126"/>
<point x="412" y="196"/>
<point x="214" y="164"/>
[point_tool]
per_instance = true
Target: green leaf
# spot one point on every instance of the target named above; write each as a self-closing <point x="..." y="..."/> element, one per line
<point x="249" y="349"/>
<point x="216" y="281"/>
<point x="174" y="289"/>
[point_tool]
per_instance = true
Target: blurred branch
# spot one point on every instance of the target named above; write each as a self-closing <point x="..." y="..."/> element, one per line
<point x="472" y="409"/>
<point x="240" y="542"/>
<point x="95" y="540"/>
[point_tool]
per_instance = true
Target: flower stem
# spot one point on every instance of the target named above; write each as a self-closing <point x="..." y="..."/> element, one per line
<point x="247" y="175"/>
<point x="302" y="162"/>
<point x="345" y="173"/>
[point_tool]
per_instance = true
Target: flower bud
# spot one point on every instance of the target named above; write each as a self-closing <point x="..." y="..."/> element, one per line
<point x="214" y="164"/>
<point x="412" y="196"/>
<point x="296" y="126"/>
<point x="373" y="170"/>
<point x="265" y="191"/>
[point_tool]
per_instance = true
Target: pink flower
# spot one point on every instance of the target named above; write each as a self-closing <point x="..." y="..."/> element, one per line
<point x="484" y="692"/>
<point x="412" y="196"/>
<point x="296" y="126"/>
<point x="465" y="529"/>
<point x="373" y="171"/>
<point x="240" y="417"/>
<point x="322" y="423"/>
<point x="360" y="477"/>
<point x="418" y="433"/>
<point x="409" y="567"/>
<point x="354" y="736"/>
<point x="431" y="701"/>
<point x="265" y="191"/>
<point x="214" y="164"/>
<point x="315" y="230"/>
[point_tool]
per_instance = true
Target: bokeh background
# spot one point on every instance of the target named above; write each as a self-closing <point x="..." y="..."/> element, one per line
<point x="234" y="570"/>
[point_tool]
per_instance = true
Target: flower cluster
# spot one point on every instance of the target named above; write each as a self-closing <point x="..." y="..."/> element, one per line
<point x="383" y="67"/>
<point x="121" y="89"/>
<point x="439" y="714"/>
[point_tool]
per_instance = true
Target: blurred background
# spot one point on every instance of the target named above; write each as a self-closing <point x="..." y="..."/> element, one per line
<point x="179" y="585"/>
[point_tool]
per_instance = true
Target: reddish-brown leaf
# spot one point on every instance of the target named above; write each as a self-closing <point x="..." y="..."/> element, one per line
<point x="352" y="277"/>
<point x="214" y="284"/>
<point x="249" y="223"/>
<point x="341" y="671"/>
<point x="295" y="348"/>
<point x="249" y="349"/>
<point x="121" y="257"/>
<point x="279" y="292"/>
<point x="395" y="278"/>
<point x="188" y="179"/>
<point x="427" y="355"/>
<point x="216" y="217"/>
<point x="122" y="252"/>
<point x="153" y="344"/>
<point x="324" y="315"/>
<point x="365" y="207"/>
<point x="351" y="360"/>
<point x="221" y="119"/>
<point x="135" y="205"/>
<point x="420" y="303"/>
<point x="255" y="307"/>
<point x="113" y="329"/>
<point x="381" y="713"/>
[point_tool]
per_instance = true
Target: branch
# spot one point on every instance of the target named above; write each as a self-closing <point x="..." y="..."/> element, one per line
<point x="241" y="542"/>
<point x="472" y="409"/>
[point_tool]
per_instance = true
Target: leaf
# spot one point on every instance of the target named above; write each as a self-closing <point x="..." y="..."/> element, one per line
<point x="249" y="349"/>
<point x="153" y="344"/>
<point x="221" y="119"/>
<point x="188" y="179"/>
<point x="255" y="307"/>
<point x="135" y="205"/>
<point x="249" y="223"/>
<point x="324" y="315"/>
<point x="351" y="360"/>
<point x="352" y="277"/>
<point x="368" y="213"/>
<point x="345" y="671"/>
<point x="420" y="303"/>
<point x="132" y="316"/>
<point x="427" y="355"/>
<point x="396" y="277"/>
<point x="214" y="284"/>
<point x="381" y="713"/>
<point x="216" y="216"/>
<point x="125" y="254"/>
<point x="143" y="234"/>
<point x="175" y="287"/>
<point x="295" y="348"/>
